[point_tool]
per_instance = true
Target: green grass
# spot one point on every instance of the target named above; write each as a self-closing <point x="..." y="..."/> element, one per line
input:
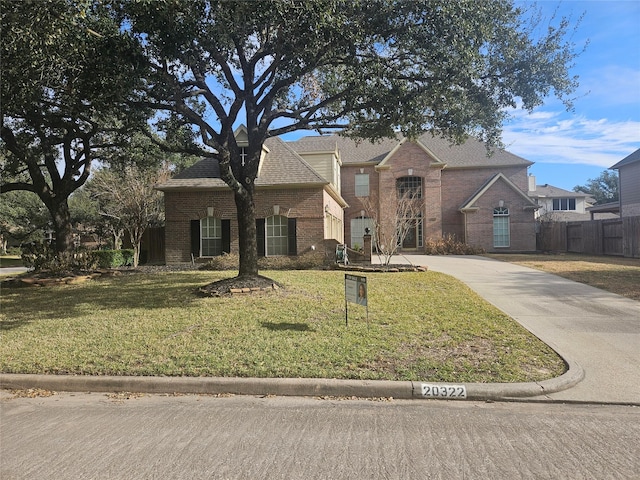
<point x="421" y="326"/>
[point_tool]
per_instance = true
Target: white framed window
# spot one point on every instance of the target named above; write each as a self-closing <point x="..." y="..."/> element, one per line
<point x="501" y="228"/>
<point x="362" y="184"/>
<point x="564" y="203"/>
<point x="210" y="237"/>
<point x="277" y="233"/>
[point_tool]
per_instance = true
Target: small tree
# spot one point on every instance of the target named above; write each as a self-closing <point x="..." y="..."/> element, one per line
<point x="389" y="233"/>
<point x="129" y="201"/>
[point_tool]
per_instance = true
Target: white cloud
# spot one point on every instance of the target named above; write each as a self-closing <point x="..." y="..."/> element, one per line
<point x="550" y="138"/>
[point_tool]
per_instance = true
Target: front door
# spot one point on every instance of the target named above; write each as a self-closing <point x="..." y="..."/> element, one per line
<point x="411" y="237"/>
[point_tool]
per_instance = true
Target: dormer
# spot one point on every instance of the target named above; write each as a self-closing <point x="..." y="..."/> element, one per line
<point x="327" y="163"/>
<point x="242" y="139"/>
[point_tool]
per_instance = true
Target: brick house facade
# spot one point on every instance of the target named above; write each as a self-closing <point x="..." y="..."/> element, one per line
<point x="321" y="188"/>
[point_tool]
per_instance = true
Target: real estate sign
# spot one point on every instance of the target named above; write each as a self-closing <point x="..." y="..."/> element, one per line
<point x="355" y="289"/>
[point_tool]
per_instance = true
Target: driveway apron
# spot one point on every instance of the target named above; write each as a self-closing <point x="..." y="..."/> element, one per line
<point x="596" y="329"/>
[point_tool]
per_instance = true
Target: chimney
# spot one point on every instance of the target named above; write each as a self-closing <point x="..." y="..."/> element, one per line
<point x="532" y="182"/>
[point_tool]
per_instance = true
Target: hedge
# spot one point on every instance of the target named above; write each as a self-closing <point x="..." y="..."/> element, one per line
<point x="113" y="258"/>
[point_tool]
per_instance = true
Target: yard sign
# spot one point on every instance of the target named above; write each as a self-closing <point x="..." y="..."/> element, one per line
<point x="355" y="291"/>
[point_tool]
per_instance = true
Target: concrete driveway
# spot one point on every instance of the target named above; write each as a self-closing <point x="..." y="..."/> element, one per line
<point x="596" y="329"/>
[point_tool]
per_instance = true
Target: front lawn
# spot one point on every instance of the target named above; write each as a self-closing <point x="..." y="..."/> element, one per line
<point x="614" y="274"/>
<point x="422" y="326"/>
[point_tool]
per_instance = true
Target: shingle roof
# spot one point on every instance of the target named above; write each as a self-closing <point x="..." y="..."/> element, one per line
<point x="550" y="191"/>
<point x="281" y="166"/>
<point x="471" y="153"/>
<point x="632" y="158"/>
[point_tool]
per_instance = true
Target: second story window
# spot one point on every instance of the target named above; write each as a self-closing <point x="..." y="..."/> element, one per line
<point x="409" y="186"/>
<point x="362" y="184"/>
<point x="564" y="203"/>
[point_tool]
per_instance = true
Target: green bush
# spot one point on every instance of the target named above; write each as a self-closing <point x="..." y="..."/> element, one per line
<point x="41" y="257"/>
<point x="113" y="258"/>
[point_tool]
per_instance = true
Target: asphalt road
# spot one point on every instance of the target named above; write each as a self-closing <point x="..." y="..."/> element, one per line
<point x="95" y="436"/>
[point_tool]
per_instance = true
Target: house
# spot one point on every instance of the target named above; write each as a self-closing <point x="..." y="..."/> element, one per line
<point x="629" y="184"/>
<point x="296" y="207"/>
<point x="331" y="188"/>
<point x="559" y="205"/>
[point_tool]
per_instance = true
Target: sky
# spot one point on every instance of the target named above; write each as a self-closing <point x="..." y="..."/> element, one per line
<point x="569" y="148"/>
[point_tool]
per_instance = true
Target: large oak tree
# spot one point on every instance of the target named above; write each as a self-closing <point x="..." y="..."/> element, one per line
<point x="68" y="76"/>
<point x="369" y="68"/>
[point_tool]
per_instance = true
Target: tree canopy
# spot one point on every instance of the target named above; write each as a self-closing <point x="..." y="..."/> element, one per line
<point x="603" y="188"/>
<point x="68" y="74"/>
<point x="369" y="68"/>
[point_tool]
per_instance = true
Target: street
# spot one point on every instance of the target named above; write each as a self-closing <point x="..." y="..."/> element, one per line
<point x="102" y="436"/>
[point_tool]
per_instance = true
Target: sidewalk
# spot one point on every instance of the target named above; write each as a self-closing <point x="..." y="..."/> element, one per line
<point x="596" y="332"/>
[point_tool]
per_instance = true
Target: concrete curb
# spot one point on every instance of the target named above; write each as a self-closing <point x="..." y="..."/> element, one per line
<point x="316" y="387"/>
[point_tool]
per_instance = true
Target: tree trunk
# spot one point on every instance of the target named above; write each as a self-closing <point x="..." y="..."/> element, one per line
<point x="61" y="219"/>
<point x="246" y="210"/>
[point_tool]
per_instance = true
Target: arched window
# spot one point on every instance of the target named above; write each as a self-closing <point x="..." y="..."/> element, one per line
<point x="501" y="230"/>
<point x="277" y="235"/>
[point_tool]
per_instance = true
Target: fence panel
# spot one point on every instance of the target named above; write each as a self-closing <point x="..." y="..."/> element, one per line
<point x="612" y="237"/>
<point x="574" y="237"/>
<point x="631" y="240"/>
<point x="618" y="236"/>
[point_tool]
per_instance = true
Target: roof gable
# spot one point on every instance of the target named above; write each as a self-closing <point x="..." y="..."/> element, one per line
<point x="468" y="206"/>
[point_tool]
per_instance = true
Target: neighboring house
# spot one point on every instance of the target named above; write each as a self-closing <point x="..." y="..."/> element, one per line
<point x="559" y="205"/>
<point x="629" y="184"/>
<point x="322" y="188"/>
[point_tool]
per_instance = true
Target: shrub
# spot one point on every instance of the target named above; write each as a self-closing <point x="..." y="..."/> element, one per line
<point x="113" y="258"/>
<point x="230" y="261"/>
<point x="449" y="245"/>
<point x="41" y="257"/>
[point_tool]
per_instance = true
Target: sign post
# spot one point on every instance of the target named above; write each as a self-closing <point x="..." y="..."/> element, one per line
<point x="355" y="291"/>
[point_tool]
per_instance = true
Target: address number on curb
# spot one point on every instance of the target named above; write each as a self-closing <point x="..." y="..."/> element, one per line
<point x="444" y="391"/>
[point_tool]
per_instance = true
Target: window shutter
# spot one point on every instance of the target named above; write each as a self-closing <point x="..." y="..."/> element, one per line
<point x="195" y="238"/>
<point x="226" y="236"/>
<point x="260" y="237"/>
<point x="292" y="240"/>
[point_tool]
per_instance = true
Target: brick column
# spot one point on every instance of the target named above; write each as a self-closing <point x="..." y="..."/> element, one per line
<point x="366" y="249"/>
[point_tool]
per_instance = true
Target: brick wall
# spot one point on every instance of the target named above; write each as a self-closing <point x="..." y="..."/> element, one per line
<point x="479" y="225"/>
<point x="382" y="186"/>
<point x="306" y="205"/>
<point x="459" y="185"/>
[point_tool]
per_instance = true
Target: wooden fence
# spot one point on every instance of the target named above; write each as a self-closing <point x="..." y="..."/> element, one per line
<point x="152" y="248"/>
<point x="617" y="236"/>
